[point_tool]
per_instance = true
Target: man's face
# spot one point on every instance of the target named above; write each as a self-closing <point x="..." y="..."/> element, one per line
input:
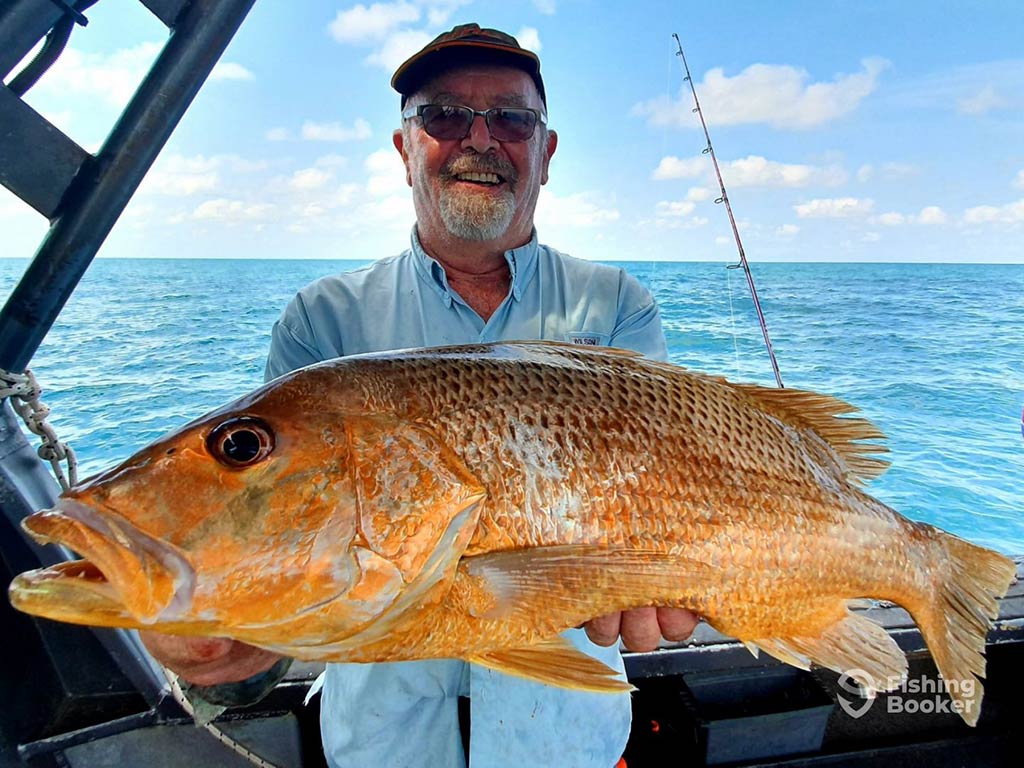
<point x="476" y="188"/>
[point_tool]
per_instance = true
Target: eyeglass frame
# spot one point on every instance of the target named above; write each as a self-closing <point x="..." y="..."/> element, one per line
<point x="410" y="112"/>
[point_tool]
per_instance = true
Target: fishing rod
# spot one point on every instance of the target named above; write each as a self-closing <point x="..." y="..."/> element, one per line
<point x="709" y="150"/>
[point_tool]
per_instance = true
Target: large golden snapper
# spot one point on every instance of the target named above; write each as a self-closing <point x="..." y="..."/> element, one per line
<point x="472" y="502"/>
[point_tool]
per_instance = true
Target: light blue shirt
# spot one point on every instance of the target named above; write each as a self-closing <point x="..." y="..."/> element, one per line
<point x="405" y="715"/>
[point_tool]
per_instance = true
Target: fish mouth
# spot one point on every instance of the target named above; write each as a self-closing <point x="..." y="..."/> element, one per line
<point x="125" y="577"/>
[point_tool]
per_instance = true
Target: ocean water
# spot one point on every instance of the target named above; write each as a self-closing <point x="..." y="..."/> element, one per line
<point x="934" y="354"/>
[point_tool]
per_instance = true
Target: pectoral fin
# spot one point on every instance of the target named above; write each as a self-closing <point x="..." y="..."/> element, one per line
<point x="564" y="585"/>
<point x="556" y="662"/>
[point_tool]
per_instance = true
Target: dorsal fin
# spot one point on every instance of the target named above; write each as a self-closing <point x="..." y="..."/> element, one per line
<point x="823" y="415"/>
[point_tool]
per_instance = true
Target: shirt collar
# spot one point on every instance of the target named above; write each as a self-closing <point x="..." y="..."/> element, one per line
<point x="522" y="263"/>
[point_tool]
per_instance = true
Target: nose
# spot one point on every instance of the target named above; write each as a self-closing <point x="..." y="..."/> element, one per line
<point x="479" y="137"/>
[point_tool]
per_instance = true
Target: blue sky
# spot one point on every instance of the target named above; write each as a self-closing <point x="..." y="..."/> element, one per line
<point x="852" y="131"/>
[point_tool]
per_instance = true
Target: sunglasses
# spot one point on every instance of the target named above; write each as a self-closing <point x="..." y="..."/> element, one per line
<point x="447" y="122"/>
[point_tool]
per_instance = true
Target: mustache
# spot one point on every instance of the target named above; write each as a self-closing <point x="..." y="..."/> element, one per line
<point x="479" y="164"/>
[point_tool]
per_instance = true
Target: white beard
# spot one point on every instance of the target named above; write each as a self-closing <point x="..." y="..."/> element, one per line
<point x="476" y="217"/>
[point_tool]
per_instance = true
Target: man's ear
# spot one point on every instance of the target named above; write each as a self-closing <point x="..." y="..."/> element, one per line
<point x="549" y="150"/>
<point x="398" y="139"/>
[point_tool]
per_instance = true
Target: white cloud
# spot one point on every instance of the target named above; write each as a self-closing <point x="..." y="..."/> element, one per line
<point x="113" y="77"/>
<point x="755" y="171"/>
<point x="897" y="170"/>
<point x="779" y="95"/>
<point x="392" y="212"/>
<point x="229" y="70"/>
<point x="439" y="11"/>
<point x="834" y="208"/>
<point x="892" y="219"/>
<point x="1019" y="181"/>
<point x="871" y="237"/>
<point x="931" y="214"/>
<point x="674" y="208"/>
<point x="181" y="176"/>
<point x="361" y="23"/>
<point x="331" y="161"/>
<point x="673" y="222"/>
<point x="547" y="7"/>
<point x="12" y="207"/>
<point x="278" y="134"/>
<point x="312" y="131"/>
<point x="232" y="211"/>
<point x="672" y="167"/>
<point x="981" y="103"/>
<point x="386" y="173"/>
<point x="529" y="38"/>
<point x="698" y="194"/>
<point x="787" y="230"/>
<point x="1011" y="213"/>
<point x="580" y="209"/>
<point x="308" y="179"/>
<point x="397" y="48"/>
<point x="344" y="195"/>
<point x="751" y="171"/>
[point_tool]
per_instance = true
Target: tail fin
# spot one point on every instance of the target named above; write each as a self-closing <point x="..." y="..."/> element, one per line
<point x="957" y="618"/>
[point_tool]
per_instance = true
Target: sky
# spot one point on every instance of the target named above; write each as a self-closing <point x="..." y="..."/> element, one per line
<point x="846" y="131"/>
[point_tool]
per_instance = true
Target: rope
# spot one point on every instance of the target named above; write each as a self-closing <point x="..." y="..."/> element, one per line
<point x="213" y="730"/>
<point x="24" y="393"/>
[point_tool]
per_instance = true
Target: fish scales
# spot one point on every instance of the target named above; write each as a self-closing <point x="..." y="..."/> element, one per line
<point x="473" y="502"/>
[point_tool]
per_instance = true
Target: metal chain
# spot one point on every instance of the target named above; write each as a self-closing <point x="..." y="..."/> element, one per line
<point x="24" y="392"/>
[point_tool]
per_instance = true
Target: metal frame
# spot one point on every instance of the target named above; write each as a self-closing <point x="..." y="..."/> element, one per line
<point x="101" y="186"/>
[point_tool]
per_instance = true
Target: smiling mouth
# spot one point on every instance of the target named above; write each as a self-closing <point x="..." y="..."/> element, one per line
<point x="485" y="179"/>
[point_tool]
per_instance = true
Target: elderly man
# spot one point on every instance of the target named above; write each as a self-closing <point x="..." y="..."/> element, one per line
<point x="476" y="150"/>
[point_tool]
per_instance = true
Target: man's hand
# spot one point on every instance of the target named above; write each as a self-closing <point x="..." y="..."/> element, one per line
<point x="642" y="628"/>
<point x="206" y="661"/>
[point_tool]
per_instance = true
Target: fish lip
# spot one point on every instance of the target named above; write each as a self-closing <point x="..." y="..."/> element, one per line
<point x="121" y="552"/>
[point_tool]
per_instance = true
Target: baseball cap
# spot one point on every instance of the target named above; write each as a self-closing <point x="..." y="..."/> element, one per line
<point x="465" y="44"/>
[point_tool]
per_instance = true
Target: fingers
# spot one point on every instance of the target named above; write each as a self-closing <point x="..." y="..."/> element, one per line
<point x="677" y="623"/>
<point x="640" y="630"/>
<point x="208" y="660"/>
<point x="603" y="630"/>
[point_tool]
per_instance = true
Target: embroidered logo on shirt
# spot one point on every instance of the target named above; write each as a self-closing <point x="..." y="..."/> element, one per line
<point x="586" y="339"/>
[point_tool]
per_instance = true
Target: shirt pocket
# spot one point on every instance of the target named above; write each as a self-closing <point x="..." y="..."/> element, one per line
<point x="588" y="338"/>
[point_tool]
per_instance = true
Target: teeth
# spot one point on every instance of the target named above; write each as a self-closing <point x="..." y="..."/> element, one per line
<point x="486" y="178"/>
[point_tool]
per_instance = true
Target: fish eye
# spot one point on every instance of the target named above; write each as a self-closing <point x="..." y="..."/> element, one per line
<point x="241" y="442"/>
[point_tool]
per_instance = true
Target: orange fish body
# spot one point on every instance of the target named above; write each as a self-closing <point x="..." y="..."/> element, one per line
<point x="473" y="502"/>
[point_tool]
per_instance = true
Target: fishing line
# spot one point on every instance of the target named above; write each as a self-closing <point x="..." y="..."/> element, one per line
<point x="732" y="320"/>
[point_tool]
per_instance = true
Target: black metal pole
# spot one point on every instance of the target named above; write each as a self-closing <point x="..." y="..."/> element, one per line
<point x="102" y="188"/>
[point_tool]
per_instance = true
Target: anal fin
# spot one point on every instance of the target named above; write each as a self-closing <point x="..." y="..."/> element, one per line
<point x="557" y="662"/>
<point x="854" y="645"/>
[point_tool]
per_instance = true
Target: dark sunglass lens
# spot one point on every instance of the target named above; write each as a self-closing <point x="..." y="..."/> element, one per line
<point x="512" y="124"/>
<point x="446" y="122"/>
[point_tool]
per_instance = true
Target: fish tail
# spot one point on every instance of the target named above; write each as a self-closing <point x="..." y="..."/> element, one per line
<point x="958" y="610"/>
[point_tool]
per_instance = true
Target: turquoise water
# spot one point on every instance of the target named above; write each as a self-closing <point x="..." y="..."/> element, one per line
<point x="934" y="354"/>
